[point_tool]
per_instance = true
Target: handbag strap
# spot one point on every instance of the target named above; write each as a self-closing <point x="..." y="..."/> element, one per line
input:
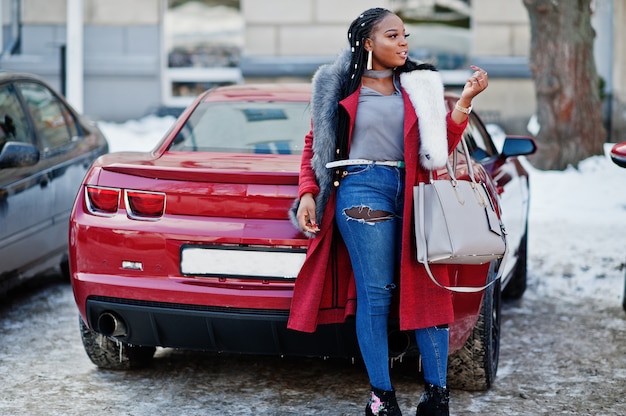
<point x="462" y="289"/>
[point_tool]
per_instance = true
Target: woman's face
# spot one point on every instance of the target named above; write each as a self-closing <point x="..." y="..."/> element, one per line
<point x="388" y="43"/>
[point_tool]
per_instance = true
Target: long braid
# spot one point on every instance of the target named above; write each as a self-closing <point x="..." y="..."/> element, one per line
<point x="360" y="29"/>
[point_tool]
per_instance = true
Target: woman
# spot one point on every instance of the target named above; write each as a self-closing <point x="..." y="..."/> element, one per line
<point x="379" y="125"/>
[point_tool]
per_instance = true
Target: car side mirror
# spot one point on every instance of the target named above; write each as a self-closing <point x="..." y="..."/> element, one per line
<point x="618" y="154"/>
<point x="17" y="155"/>
<point x="518" y="146"/>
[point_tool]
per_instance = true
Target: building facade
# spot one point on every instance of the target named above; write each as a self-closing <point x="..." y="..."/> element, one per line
<point x="122" y="51"/>
<point x="127" y="69"/>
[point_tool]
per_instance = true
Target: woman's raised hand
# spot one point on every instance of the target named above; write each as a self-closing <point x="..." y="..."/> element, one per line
<point x="476" y="83"/>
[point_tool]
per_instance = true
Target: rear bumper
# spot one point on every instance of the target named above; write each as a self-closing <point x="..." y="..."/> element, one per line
<point x="232" y="316"/>
<point x="217" y="329"/>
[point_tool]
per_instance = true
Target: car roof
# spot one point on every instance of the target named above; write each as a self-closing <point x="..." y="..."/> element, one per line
<point x="260" y="92"/>
<point x="271" y="91"/>
<point x="14" y="76"/>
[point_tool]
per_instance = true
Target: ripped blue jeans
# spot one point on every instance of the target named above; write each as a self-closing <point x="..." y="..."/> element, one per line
<point x="369" y="214"/>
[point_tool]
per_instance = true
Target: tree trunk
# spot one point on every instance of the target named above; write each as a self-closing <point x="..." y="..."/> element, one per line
<point x="569" y="109"/>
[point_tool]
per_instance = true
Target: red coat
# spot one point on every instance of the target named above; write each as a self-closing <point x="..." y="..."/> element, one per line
<point x="324" y="291"/>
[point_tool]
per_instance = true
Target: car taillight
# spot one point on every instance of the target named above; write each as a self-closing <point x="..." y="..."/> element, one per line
<point x="102" y="201"/>
<point x="145" y="205"/>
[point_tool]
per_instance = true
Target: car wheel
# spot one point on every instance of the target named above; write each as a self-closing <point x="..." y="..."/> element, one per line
<point x="516" y="286"/>
<point x="65" y="269"/>
<point x="474" y="366"/>
<point x="111" y="354"/>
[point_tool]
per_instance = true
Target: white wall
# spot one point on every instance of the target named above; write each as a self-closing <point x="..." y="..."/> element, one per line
<point x="97" y="12"/>
<point x="300" y="27"/>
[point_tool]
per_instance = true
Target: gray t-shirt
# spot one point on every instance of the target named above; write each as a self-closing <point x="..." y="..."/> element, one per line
<point x="379" y="126"/>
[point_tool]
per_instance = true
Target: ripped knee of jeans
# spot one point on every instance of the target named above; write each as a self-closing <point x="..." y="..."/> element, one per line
<point x="367" y="215"/>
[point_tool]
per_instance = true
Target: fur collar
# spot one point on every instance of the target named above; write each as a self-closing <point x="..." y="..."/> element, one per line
<point x="425" y="90"/>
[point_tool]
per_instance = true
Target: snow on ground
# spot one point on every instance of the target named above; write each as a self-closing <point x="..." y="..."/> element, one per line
<point x="577" y="244"/>
<point x="577" y="227"/>
<point x="136" y="135"/>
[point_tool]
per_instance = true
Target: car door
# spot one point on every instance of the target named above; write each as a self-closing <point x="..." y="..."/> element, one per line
<point x="512" y="188"/>
<point x="64" y="155"/>
<point x="24" y="193"/>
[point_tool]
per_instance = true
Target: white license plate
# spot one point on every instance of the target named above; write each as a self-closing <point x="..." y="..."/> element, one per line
<point x="241" y="262"/>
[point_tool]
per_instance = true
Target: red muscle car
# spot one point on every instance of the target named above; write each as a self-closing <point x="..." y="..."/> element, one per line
<point x="190" y="246"/>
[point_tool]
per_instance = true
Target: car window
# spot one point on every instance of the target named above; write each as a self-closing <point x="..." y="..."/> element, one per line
<point x="250" y="127"/>
<point x="13" y="124"/>
<point x="53" y="121"/>
<point x="478" y="141"/>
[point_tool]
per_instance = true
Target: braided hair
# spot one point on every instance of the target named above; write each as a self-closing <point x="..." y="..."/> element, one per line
<point x="361" y="29"/>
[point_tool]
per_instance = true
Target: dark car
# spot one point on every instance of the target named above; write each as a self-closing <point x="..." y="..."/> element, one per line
<point x="45" y="150"/>
<point x="618" y="156"/>
<point x="190" y="246"/>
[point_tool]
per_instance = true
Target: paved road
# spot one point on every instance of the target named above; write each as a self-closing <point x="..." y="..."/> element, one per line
<point x="557" y="358"/>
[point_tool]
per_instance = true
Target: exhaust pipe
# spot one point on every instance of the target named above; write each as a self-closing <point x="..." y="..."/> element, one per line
<point x="111" y="325"/>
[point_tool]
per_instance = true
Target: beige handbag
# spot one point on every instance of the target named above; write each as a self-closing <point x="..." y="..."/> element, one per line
<point x="456" y="223"/>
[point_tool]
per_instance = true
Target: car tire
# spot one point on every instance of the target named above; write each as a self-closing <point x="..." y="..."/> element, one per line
<point x="516" y="286"/>
<point x="65" y="269"/>
<point x="474" y="366"/>
<point x="111" y="354"/>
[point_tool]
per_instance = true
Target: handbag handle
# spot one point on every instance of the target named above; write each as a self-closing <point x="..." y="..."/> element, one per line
<point x="452" y="169"/>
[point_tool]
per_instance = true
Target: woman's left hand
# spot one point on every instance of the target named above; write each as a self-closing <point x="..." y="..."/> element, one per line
<point x="475" y="84"/>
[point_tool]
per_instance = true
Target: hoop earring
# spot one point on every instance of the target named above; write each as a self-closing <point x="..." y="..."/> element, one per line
<point x="369" y="59"/>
